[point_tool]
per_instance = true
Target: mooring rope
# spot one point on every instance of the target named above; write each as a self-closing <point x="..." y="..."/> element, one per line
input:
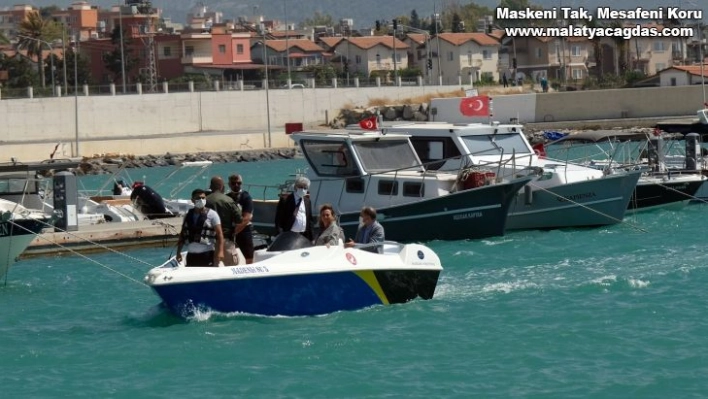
<point x="68" y="249"/>
<point x="693" y="197"/>
<point x="632" y="225"/>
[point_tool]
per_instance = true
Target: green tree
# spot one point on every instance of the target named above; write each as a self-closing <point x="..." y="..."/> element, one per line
<point x="83" y="72"/>
<point x="435" y="27"/>
<point x="597" y="49"/>
<point x="46" y="12"/>
<point x="323" y="73"/>
<point x="33" y="32"/>
<point x="457" y="25"/>
<point x="415" y="20"/>
<point x="515" y="4"/>
<point x="4" y="39"/>
<point x="318" y="20"/>
<point x="113" y="61"/>
<point x="410" y="72"/>
<point x="19" y="70"/>
<point x="622" y="46"/>
<point x="461" y="18"/>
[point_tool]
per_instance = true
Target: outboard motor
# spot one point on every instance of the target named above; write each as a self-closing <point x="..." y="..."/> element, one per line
<point x="149" y="202"/>
<point x="656" y="153"/>
<point x="693" y="151"/>
<point x="289" y="240"/>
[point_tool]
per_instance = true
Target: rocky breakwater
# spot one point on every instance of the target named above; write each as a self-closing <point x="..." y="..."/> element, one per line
<point x="405" y="112"/>
<point x="109" y="163"/>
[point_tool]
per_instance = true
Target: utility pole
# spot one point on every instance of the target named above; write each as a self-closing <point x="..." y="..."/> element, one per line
<point x="76" y="93"/>
<point x="287" y="44"/>
<point x="395" y="64"/>
<point x="437" y="37"/>
<point x="63" y="56"/>
<point x="122" y="52"/>
<point x="265" y="61"/>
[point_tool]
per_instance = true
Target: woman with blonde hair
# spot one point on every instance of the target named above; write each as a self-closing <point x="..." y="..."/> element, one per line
<point x="330" y="233"/>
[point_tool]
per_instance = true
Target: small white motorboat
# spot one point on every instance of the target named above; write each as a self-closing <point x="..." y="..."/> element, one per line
<point x="18" y="227"/>
<point x="294" y="278"/>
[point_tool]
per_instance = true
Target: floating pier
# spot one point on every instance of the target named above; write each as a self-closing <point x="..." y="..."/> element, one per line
<point x="104" y="236"/>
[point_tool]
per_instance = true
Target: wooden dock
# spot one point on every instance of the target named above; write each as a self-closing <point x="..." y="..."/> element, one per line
<point x="100" y="237"/>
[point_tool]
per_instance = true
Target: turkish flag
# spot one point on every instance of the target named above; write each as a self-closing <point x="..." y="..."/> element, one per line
<point x="475" y="106"/>
<point x="369" y="123"/>
<point x="540" y="150"/>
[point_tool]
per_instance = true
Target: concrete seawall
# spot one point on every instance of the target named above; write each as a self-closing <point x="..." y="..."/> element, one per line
<point x="176" y="122"/>
<point x="237" y="120"/>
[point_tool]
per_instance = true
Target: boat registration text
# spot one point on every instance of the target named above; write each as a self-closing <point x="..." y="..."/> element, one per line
<point x="577" y="197"/>
<point x="249" y="269"/>
<point x="468" y="215"/>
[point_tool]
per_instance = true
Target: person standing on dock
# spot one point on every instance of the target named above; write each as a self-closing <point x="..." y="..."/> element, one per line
<point x="294" y="211"/>
<point x="244" y="230"/>
<point x="230" y="215"/>
<point x="201" y="231"/>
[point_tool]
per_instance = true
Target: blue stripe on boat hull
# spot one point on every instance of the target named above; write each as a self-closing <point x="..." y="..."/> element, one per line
<point x="294" y="295"/>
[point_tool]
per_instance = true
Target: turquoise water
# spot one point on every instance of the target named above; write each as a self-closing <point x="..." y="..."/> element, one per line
<point x="612" y="312"/>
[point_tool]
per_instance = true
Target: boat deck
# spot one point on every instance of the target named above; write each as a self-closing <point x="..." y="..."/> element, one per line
<point x="99" y="237"/>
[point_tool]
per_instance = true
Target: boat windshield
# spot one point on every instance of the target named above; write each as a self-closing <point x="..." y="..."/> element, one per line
<point x="17" y="186"/>
<point x="495" y="144"/>
<point x="387" y="155"/>
<point x="329" y="158"/>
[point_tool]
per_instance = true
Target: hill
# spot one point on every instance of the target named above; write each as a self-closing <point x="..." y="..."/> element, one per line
<point x="364" y="13"/>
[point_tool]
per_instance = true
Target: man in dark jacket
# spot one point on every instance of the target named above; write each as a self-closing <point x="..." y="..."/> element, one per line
<point x="230" y="215"/>
<point x="244" y="230"/>
<point x="369" y="232"/>
<point x="294" y="211"/>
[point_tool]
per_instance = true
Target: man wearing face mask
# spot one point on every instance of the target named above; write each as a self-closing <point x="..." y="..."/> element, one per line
<point x="201" y="230"/>
<point x="294" y="211"/>
<point x="370" y="231"/>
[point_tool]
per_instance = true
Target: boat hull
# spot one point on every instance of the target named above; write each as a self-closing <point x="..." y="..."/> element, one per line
<point x="300" y="295"/>
<point x="15" y="237"/>
<point x="469" y="214"/>
<point x="587" y="203"/>
<point x="648" y="196"/>
<point x="303" y="281"/>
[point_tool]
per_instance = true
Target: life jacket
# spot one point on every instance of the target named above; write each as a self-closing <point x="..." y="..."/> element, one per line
<point x="198" y="230"/>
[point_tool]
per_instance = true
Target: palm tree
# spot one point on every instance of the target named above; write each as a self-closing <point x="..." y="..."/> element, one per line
<point x="622" y="46"/>
<point x="597" y="50"/>
<point x="34" y="30"/>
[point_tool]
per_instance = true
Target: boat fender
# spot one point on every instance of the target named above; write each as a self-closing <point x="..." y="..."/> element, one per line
<point x="528" y="195"/>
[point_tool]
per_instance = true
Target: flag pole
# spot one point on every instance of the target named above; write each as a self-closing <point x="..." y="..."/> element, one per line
<point x="491" y="110"/>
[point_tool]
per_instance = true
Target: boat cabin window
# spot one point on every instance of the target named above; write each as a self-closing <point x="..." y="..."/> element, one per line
<point x="355" y="185"/>
<point x="17" y="186"/>
<point x="388" y="187"/>
<point x="432" y="149"/>
<point x="329" y="158"/>
<point x="387" y="155"/>
<point x="413" y="189"/>
<point x="495" y="144"/>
